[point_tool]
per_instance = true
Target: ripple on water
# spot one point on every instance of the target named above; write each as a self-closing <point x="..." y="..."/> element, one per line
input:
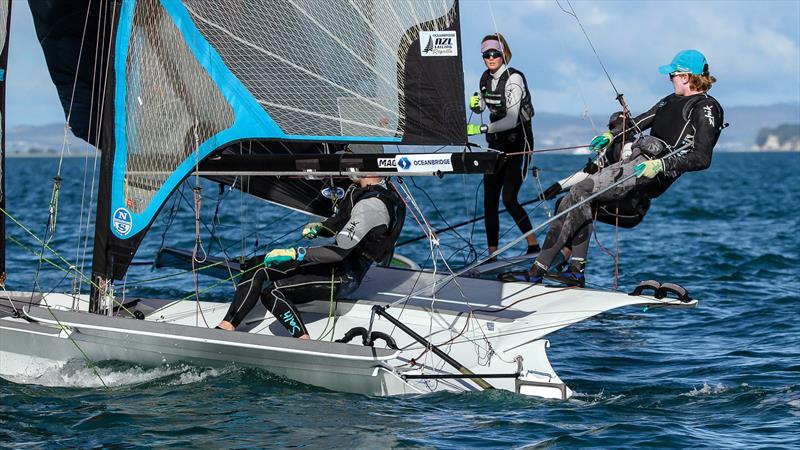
<point x="721" y="376"/>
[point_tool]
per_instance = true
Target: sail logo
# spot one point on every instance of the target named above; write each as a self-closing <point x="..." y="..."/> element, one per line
<point x="122" y="221"/>
<point x="438" y="43"/>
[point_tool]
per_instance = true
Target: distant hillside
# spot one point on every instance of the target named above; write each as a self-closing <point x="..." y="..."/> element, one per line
<point x="42" y="139"/>
<point x="785" y="137"/>
<point x="550" y="130"/>
<point x="747" y="121"/>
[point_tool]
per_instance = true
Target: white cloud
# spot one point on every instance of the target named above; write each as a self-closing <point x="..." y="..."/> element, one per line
<point x="753" y="49"/>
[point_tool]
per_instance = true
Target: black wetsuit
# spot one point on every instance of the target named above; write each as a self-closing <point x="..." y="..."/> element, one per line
<point x="366" y="227"/>
<point x="629" y="211"/>
<point x="506" y="95"/>
<point x="675" y="120"/>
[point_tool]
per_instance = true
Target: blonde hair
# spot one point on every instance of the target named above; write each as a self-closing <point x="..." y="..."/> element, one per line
<point x="506" y="48"/>
<point x="702" y="82"/>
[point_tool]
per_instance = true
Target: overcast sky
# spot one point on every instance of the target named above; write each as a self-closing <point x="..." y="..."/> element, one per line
<point x="753" y="48"/>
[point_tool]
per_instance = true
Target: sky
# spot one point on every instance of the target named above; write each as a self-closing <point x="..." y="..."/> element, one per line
<point x="753" y="49"/>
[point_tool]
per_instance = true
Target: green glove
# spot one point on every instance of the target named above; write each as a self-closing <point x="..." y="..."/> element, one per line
<point x="311" y="230"/>
<point x="649" y="169"/>
<point x="280" y="255"/>
<point x="473" y="129"/>
<point x="600" y="142"/>
<point x="475" y="103"/>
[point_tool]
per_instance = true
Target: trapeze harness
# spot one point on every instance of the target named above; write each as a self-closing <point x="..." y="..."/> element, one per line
<point x="671" y="123"/>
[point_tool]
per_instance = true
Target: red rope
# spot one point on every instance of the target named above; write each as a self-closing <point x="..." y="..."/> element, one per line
<point x="615" y="255"/>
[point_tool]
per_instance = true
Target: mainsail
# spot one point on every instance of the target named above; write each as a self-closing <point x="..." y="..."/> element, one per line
<point x="167" y="84"/>
<point x="5" y="23"/>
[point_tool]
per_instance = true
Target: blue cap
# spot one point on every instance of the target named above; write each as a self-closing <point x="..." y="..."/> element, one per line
<point x="687" y="61"/>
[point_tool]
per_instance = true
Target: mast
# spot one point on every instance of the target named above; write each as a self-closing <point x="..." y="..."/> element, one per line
<point x="5" y="27"/>
<point x="102" y="255"/>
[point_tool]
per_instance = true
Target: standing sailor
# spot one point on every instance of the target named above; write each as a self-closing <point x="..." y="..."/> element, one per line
<point x="505" y="92"/>
<point x="688" y="116"/>
<point x="366" y="226"/>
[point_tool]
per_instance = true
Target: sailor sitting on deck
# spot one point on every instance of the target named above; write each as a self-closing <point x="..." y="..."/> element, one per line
<point x="366" y="226"/>
<point x="689" y="116"/>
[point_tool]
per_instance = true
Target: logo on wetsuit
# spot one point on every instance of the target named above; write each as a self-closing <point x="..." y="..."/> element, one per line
<point x="351" y="230"/>
<point x="288" y="317"/>
<point x="708" y="115"/>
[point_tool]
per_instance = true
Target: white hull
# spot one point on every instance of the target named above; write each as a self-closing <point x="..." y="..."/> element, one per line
<point x="503" y="336"/>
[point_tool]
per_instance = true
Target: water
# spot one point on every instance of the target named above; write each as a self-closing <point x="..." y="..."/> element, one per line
<point x="726" y="374"/>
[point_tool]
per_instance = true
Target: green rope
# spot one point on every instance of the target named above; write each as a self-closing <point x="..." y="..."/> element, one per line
<point x="44" y="245"/>
<point x="331" y="314"/>
<point x="164" y="277"/>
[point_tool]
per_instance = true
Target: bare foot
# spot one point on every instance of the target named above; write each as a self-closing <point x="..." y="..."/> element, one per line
<point x="305" y="336"/>
<point x="225" y="325"/>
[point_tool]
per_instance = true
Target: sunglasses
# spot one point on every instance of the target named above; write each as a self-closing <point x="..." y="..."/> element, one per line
<point x="492" y="54"/>
<point x="675" y="74"/>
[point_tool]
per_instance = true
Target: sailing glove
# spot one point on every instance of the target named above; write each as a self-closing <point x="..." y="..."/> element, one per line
<point x="473" y="129"/>
<point x="475" y="103"/>
<point x="649" y="169"/>
<point x="280" y="255"/>
<point x="311" y="230"/>
<point x="601" y="142"/>
<point x="550" y="192"/>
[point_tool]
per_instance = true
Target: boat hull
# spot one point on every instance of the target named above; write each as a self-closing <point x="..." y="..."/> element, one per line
<point x="495" y="342"/>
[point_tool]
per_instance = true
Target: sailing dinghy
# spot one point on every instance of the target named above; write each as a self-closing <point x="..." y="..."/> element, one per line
<point x="262" y="97"/>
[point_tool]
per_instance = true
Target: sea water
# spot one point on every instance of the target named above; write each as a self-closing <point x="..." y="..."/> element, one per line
<point x="726" y="374"/>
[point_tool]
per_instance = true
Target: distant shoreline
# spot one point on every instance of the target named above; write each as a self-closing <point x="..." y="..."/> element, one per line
<point x="47" y="155"/>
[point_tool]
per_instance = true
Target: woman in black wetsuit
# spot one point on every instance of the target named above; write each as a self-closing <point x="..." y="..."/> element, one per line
<point x="688" y="118"/>
<point x="505" y="93"/>
<point x="366" y="226"/>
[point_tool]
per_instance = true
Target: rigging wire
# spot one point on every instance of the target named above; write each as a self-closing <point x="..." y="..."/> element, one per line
<point x="620" y="97"/>
<point x="594" y="50"/>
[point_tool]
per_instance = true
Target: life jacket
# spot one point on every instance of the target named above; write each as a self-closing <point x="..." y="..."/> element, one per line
<point x="626" y="212"/>
<point x="376" y="247"/>
<point x="673" y="118"/>
<point x="495" y="100"/>
<point x="672" y="124"/>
